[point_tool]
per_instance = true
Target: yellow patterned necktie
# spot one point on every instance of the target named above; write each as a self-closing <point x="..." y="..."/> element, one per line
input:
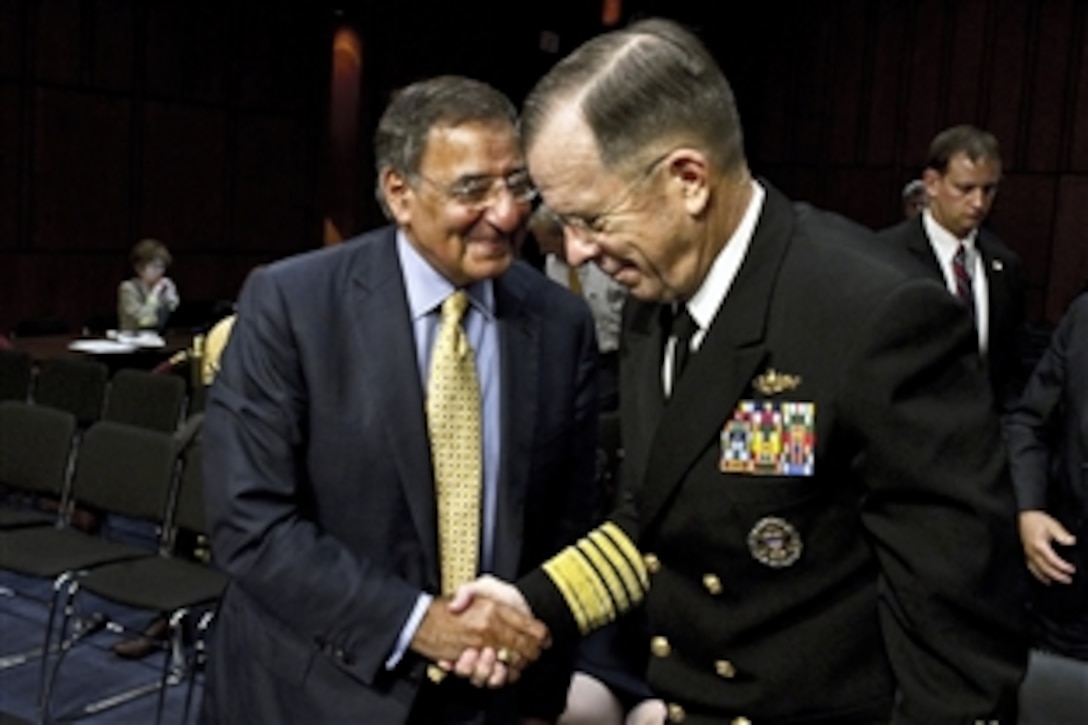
<point x="453" y="420"/>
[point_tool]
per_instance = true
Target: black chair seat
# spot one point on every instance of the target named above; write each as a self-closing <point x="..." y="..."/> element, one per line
<point x="49" y="552"/>
<point x="158" y="584"/>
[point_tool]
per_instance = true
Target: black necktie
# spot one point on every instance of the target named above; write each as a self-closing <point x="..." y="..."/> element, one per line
<point x="683" y="327"/>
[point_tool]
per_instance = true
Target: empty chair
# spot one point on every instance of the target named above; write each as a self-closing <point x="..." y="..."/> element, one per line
<point x="119" y="469"/>
<point x="35" y="452"/>
<point x="169" y="584"/>
<point x="146" y="399"/>
<point x="77" y="385"/>
<point x="15" y="374"/>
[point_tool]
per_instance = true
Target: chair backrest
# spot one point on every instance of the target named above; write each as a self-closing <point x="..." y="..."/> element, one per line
<point x="77" y="385"/>
<point x="189" y="510"/>
<point x="35" y="447"/>
<point x="15" y="374"/>
<point x="124" y="469"/>
<point x="145" y="399"/>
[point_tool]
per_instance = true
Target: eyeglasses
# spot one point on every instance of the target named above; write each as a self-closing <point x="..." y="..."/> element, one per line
<point x="479" y="192"/>
<point x="591" y="224"/>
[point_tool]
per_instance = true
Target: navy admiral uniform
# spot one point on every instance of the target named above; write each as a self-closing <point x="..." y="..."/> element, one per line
<point x="820" y="526"/>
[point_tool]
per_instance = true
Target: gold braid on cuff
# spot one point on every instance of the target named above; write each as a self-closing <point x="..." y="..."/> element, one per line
<point x="600" y="577"/>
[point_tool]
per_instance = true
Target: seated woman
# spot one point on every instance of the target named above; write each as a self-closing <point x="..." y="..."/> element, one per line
<point x="145" y="301"/>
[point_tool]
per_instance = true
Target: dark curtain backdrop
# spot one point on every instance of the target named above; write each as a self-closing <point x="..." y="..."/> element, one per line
<point x="207" y="125"/>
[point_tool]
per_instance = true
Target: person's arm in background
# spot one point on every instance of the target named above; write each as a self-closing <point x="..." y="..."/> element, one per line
<point x="135" y="311"/>
<point x="1032" y="432"/>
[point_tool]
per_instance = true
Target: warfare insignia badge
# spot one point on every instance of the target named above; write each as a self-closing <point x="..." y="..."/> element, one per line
<point x="775" y="542"/>
<point x="773" y="382"/>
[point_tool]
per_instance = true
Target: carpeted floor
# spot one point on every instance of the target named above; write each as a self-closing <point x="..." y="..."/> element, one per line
<point x="91" y="681"/>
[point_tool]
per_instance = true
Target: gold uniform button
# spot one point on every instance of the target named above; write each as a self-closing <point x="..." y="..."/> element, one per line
<point x="660" y="647"/>
<point x="653" y="564"/>
<point x="725" y="669"/>
<point x="676" y="713"/>
<point x="713" y="584"/>
<point x="740" y="721"/>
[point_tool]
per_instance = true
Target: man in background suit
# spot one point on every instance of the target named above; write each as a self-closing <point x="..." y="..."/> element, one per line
<point x="1048" y="454"/>
<point x="961" y="180"/>
<point x="816" y="513"/>
<point x="320" y="483"/>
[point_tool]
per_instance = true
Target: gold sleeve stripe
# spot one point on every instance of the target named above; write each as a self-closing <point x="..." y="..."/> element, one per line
<point x="600" y="577"/>
<point x="630" y="552"/>
<point x="599" y="605"/>
<point x="623" y="581"/>
<point x="591" y="549"/>
<point x="561" y="569"/>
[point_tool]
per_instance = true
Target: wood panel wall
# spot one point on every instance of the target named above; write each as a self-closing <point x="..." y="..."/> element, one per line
<point x="204" y="124"/>
<point x="840" y="100"/>
<point x="195" y="123"/>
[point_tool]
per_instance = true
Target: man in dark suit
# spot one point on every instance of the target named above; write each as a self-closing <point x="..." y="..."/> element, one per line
<point x="321" y="491"/>
<point x="961" y="180"/>
<point x="816" y="514"/>
<point x="1048" y="454"/>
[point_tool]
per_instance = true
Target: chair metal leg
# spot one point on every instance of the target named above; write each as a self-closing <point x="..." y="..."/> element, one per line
<point x="199" y="654"/>
<point x="67" y="583"/>
<point x="175" y="665"/>
<point x="62" y="583"/>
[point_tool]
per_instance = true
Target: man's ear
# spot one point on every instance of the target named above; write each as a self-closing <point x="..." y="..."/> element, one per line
<point x="398" y="194"/>
<point x="931" y="177"/>
<point x="690" y="171"/>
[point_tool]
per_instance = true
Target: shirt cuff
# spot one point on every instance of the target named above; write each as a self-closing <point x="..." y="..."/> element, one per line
<point x="408" y="631"/>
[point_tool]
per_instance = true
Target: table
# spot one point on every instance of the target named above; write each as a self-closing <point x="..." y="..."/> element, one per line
<point x="50" y="346"/>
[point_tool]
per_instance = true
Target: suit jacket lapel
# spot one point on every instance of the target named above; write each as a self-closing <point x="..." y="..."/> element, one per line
<point x="723" y="368"/>
<point x="918" y="244"/>
<point x="384" y="324"/>
<point x="519" y="342"/>
<point x="1000" y="301"/>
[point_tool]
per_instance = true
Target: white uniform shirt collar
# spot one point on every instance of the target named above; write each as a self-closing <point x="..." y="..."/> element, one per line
<point x="705" y="303"/>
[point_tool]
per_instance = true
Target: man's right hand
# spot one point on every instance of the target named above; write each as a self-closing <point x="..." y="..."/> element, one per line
<point x="487" y="665"/>
<point x="1037" y="530"/>
<point x="483" y="624"/>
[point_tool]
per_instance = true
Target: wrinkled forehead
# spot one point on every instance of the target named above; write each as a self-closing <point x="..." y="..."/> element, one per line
<point x="471" y="147"/>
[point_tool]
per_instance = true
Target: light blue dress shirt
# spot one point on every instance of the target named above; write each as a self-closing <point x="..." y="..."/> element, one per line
<point x="427" y="290"/>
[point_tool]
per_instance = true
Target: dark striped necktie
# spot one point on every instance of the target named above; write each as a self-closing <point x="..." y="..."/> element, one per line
<point x="964" y="289"/>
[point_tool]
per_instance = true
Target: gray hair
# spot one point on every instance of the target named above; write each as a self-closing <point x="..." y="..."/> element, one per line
<point x="639" y="89"/>
<point x="442" y="101"/>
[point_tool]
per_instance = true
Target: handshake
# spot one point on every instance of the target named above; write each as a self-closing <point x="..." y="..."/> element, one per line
<point x="485" y="633"/>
